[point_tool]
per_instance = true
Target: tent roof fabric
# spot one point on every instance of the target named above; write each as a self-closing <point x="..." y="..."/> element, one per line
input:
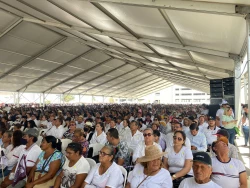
<point x="117" y="48"/>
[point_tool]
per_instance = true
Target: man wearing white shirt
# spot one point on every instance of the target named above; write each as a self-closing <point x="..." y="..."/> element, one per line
<point x="202" y="168"/>
<point x="135" y="136"/>
<point x="80" y="123"/>
<point x="197" y="139"/>
<point x="57" y="130"/>
<point x="28" y="157"/>
<point x="119" y="124"/>
<point x="202" y="124"/>
<point x="148" y="141"/>
<point x="51" y="120"/>
<point x="169" y="137"/>
<point x="125" y="133"/>
<point x="210" y="131"/>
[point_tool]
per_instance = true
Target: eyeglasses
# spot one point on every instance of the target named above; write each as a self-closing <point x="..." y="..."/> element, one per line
<point x="102" y="153"/>
<point x="175" y="137"/>
<point x="149" y="134"/>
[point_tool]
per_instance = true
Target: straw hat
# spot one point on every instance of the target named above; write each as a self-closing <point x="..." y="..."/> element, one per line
<point x="88" y="124"/>
<point x="151" y="153"/>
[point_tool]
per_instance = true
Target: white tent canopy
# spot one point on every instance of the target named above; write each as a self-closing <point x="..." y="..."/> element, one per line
<point x="122" y="48"/>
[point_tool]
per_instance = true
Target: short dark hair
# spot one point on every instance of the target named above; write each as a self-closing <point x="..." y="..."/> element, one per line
<point x="55" y="143"/>
<point x="60" y="120"/>
<point x="76" y="147"/>
<point x="135" y="122"/>
<point x="245" y="106"/>
<point x="194" y="126"/>
<point x="113" y="133"/>
<point x="178" y="123"/>
<point x="156" y="133"/>
<point x="126" y="121"/>
<point x="18" y="125"/>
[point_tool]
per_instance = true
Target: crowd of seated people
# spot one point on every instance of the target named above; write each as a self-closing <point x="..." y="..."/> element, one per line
<point x="158" y="146"/>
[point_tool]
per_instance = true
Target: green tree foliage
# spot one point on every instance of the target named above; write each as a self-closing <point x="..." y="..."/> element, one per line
<point x="68" y="98"/>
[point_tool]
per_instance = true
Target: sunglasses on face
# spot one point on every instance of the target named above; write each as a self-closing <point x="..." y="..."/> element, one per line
<point x="178" y="138"/>
<point x="103" y="153"/>
<point x="149" y="134"/>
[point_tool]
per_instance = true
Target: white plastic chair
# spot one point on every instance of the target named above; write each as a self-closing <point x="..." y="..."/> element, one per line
<point x="125" y="174"/>
<point x="39" y="140"/>
<point x="65" y="143"/>
<point x="42" y="130"/>
<point x="91" y="162"/>
<point x="96" y="148"/>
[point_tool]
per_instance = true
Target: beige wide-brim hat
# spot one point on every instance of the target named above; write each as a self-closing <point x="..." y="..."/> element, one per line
<point x="151" y="153"/>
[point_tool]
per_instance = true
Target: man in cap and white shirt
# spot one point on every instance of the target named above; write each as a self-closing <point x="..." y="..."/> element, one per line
<point x="202" y="168"/>
<point x="210" y="131"/>
<point x="27" y="159"/>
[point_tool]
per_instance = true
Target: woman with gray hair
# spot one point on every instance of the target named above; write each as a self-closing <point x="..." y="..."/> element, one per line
<point x="149" y="171"/>
<point x="102" y="174"/>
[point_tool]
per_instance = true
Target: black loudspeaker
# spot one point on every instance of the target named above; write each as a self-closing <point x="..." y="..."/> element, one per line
<point x="216" y="89"/>
<point x="216" y="101"/>
<point x="228" y="86"/>
<point x="213" y="108"/>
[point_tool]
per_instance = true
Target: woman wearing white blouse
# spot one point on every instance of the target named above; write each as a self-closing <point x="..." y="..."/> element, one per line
<point x="106" y="174"/>
<point x="99" y="136"/>
<point x="12" y="152"/>
<point x="178" y="159"/>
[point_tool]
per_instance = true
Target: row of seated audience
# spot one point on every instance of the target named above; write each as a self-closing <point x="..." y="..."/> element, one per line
<point x="161" y="153"/>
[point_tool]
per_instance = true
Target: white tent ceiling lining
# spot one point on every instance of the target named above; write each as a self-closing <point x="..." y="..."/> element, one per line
<point x="116" y="47"/>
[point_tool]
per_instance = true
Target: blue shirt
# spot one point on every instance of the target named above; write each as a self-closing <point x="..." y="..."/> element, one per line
<point x="198" y="141"/>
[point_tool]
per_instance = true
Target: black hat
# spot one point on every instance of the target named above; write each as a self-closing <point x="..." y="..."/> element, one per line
<point x="222" y="132"/>
<point x="191" y="118"/>
<point x="202" y="157"/>
<point x="211" y="118"/>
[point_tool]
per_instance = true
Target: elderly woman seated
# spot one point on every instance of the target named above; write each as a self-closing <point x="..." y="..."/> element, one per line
<point x="48" y="165"/>
<point x="105" y="174"/>
<point x="149" y="171"/>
